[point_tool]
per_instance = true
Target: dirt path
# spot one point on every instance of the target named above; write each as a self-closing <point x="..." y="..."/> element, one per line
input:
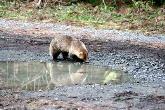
<point x="142" y="57"/>
<point x="49" y="29"/>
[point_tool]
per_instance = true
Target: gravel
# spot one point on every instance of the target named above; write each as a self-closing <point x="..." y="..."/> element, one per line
<point x="140" y="56"/>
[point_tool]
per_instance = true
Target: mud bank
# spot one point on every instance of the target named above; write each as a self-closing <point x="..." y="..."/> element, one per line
<point x="88" y="97"/>
<point x="141" y="57"/>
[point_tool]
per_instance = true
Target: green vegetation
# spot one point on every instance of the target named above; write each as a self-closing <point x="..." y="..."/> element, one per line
<point x="135" y="15"/>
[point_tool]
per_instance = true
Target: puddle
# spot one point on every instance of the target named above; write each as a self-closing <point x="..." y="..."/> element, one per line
<point x="47" y="75"/>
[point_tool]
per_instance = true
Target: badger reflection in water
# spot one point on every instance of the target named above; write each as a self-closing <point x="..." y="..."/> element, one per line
<point x="66" y="73"/>
<point x="75" y="73"/>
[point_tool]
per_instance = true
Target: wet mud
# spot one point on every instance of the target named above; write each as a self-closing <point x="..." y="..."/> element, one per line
<point x="142" y="60"/>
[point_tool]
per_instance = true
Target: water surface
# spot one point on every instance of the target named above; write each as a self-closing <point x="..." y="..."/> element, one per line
<point x="47" y="75"/>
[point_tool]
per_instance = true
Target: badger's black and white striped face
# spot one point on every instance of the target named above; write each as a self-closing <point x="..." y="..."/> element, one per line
<point x="83" y="55"/>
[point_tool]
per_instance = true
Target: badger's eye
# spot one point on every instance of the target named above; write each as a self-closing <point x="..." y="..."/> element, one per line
<point x="81" y="53"/>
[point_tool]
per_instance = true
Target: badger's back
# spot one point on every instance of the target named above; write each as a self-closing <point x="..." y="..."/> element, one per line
<point x="61" y="43"/>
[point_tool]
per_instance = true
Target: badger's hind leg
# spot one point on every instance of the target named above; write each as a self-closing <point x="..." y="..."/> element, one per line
<point x="65" y="55"/>
<point x="53" y="52"/>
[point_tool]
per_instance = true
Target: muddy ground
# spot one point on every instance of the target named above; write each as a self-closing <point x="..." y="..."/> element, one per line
<point x="142" y="57"/>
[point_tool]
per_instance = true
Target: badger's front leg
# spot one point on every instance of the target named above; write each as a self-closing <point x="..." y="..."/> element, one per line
<point x="65" y="55"/>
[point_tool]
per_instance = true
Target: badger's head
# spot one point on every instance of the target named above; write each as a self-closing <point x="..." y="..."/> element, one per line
<point x="80" y="51"/>
<point x="83" y="55"/>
